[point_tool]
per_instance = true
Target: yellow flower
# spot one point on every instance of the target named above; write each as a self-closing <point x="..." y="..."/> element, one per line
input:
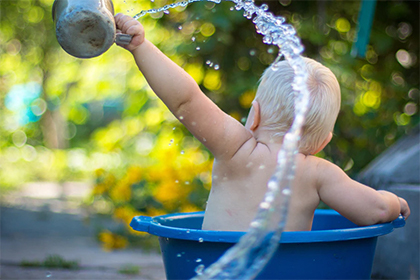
<point x="121" y="192"/>
<point x="168" y="193"/>
<point x="126" y="214"/>
<point x="246" y="99"/>
<point x="133" y="174"/>
<point x="186" y="208"/>
<point x="99" y="172"/>
<point x="109" y="180"/>
<point x="236" y="115"/>
<point x="111" y="241"/>
<point x="212" y="80"/>
<point x="99" y="189"/>
<point x="152" y="212"/>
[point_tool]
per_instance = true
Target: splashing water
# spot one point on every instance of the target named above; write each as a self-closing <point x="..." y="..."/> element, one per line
<point x="171" y="6"/>
<point x="249" y="256"/>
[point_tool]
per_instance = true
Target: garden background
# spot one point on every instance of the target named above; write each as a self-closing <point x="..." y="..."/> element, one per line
<point x="96" y="121"/>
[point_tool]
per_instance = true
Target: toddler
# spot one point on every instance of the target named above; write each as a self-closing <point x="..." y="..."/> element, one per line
<point x="245" y="157"/>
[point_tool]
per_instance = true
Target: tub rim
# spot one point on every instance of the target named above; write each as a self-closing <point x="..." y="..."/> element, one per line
<point x="152" y="226"/>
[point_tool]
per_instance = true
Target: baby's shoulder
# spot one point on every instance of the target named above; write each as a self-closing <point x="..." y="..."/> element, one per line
<point x="314" y="161"/>
<point x="311" y="166"/>
<point x="318" y="169"/>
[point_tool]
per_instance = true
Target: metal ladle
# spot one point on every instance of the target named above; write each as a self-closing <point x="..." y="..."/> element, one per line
<point x="86" y="28"/>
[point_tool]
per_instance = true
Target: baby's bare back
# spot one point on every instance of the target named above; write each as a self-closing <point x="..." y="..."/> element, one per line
<point x="239" y="185"/>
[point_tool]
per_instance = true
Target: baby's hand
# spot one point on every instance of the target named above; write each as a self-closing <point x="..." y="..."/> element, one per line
<point x="405" y="209"/>
<point x="128" y="25"/>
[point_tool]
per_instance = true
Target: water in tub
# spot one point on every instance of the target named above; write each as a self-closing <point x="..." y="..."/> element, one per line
<point x="249" y="256"/>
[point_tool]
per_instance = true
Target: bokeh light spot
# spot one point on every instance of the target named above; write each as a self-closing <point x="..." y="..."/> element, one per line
<point x="342" y="25"/>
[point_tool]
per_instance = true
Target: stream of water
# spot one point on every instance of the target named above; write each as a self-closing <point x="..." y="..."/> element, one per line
<point x="249" y="256"/>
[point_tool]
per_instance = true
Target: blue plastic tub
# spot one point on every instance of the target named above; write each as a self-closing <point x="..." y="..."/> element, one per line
<point x="335" y="248"/>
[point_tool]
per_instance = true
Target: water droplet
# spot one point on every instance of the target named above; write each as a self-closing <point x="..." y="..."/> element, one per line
<point x="187" y="182"/>
<point x="180" y="27"/>
<point x="264" y="205"/>
<point x="255" y="224"/>
<point x="181" y="117"/>
<point x="216" y="67"/>
<point x="286" y="192"/>
<point x="193" y="39"/>
<point x="166" y="12"/>
<point x="174" y="128"/>
<point x="178" y="255"/>
<point x="48" y="274"/>
<point x="272" y="185"/>
<point x="208" y="62"/>
<point x="275" y="67"/>
<point x="200" y="239"/>
<point x="199" y="269"/>
<point x="231" y="8"/>
<point x="182" y="152"/>
<point x="264" y="7"/>
<point x="252" y="52"/>
<point x="262" y="166"/>
<point x="176" y="181"/>
<point x="198" y="260"/>
<point x="198" y="48"/>
<point x="188" y="231"/>
<point x="243" y="120"/>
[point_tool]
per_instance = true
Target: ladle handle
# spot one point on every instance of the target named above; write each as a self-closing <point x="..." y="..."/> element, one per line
<point x="123" y="39"/>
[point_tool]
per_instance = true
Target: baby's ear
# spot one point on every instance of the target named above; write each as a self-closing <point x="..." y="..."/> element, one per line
<point x="256" y="116"/>
<point x="325" y="143"/>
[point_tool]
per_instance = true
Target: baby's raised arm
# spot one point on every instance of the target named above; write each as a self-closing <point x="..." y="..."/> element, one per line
<point x="355" y="201"/>
<point x="220" y="133"/>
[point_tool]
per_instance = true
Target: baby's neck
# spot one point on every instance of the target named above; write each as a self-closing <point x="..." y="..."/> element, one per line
<point x="265" y="136"/>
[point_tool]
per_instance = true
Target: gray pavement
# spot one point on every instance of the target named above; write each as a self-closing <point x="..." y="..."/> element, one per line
<point x="35" y="226"/>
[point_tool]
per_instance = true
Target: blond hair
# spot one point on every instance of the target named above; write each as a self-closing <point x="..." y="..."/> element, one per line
<point x="276" y="98"/>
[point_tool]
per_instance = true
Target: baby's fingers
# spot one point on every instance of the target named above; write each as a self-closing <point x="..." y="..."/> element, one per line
<point x="119" y="20"/>
<point x="128" y="25"/>
<point x="124" y="23"/>
<point x="405" y="209"/>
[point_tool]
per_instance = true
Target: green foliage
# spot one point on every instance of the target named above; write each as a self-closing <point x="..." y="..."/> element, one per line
<point x="99" y="114"/>
<point x="52" y="261"/>
<point x="130" y="270"/>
